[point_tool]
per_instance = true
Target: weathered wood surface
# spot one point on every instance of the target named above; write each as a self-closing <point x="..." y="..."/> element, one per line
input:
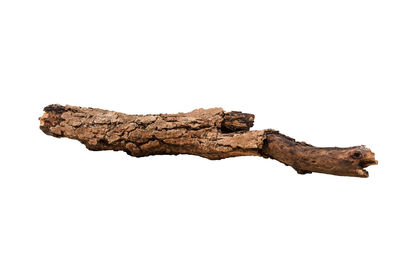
<point x="210" y="133"/>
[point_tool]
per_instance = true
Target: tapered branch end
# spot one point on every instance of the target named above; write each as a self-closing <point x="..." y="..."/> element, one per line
<point x="305" y="158"/>
<point x="361" y="158"/>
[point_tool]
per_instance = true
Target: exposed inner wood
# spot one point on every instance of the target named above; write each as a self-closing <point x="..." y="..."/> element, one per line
<point x="209" y="133"/>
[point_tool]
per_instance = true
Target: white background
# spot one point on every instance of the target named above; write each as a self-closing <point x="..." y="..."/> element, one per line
<point x="325" y="72"/>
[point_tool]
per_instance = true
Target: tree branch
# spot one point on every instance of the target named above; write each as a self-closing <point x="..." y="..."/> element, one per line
<point x="209" y="133"/>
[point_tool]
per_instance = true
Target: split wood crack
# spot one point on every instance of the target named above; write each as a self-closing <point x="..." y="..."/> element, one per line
<point x="209" y="133"/>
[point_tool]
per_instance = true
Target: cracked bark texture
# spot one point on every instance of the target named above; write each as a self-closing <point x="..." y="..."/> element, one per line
<point x="209" y="133"/>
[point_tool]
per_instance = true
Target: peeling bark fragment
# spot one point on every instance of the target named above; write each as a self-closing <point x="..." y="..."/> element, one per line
<point x="209" y="133"/>
<point x="237" y="121"/>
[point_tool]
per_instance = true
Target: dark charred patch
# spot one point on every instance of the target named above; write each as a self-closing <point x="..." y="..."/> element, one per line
<point x="366" y="163"/>
<point x="56" y="108"/>
<point x="356" y="155"/>
<point x="302" y="171"/>
<point x="103" y="142"/>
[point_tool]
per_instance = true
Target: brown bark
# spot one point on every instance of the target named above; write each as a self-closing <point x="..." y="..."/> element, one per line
<point x="210" y="133"/>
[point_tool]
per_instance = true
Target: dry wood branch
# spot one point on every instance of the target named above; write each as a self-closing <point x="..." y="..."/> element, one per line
<point x="210" y="133"/>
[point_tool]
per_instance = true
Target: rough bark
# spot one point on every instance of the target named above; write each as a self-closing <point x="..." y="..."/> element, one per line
<point x="209" y="133"/>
